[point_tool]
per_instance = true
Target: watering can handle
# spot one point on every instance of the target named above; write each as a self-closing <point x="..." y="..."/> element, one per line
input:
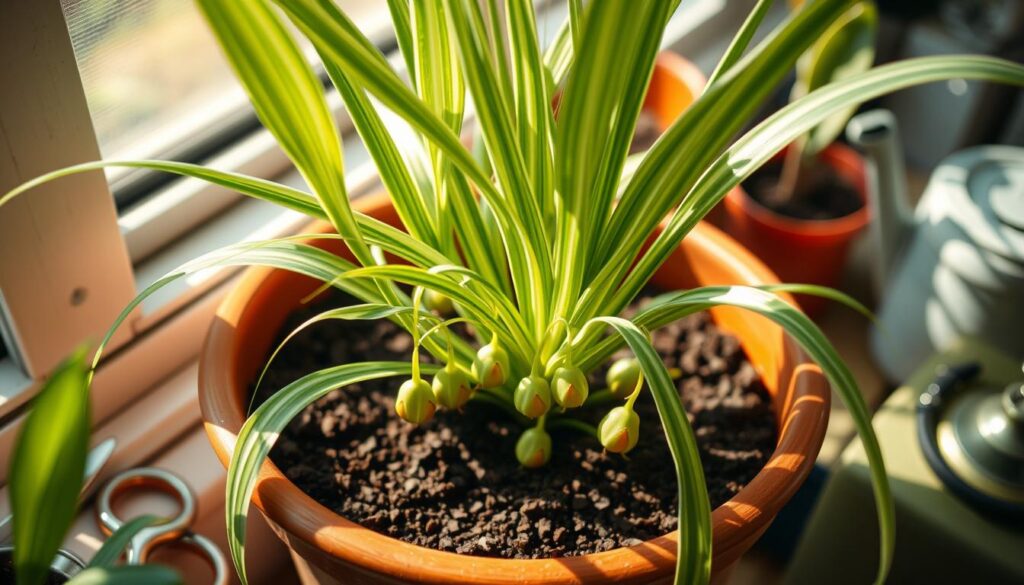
<point x="876" y="133"/>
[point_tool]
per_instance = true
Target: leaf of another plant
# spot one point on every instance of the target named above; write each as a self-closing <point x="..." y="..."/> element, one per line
<point x="740" y="42"/>
<point x="115" y="544"/>
<point x="47" y="468"/>
<point x="847" y="48"/>
<point x="127" y="575"/>
<point x="770" y="136"/>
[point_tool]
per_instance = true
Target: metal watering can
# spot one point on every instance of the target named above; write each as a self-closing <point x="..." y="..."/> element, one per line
<point x="953" y="267"/>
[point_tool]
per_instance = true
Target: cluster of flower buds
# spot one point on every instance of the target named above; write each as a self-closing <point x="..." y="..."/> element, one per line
<point x="619" y="430"/>
<point x="568" y="388"/>
<point x="451" y="387"/>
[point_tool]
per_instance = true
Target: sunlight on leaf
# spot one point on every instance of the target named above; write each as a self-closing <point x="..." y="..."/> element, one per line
<point x="47" y="468"/>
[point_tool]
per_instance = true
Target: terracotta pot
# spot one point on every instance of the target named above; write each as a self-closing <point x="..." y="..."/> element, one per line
<point x="334" y="550"/>
<point x="675" y="84"/>
<point x="801" y="250"/>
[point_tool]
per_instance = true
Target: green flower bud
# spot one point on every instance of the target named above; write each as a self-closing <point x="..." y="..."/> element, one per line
<point x="619" y="430"/>
<point x="570" y="387"/>
<point x="415" y="401"/>
<point x="451" y="387"/>
<point x="490" y="368"/>
<point x="622" y="377"/>
<point x="533" y="449"/>
<point x="437" y="302"/>
<point x="533" y="396"/>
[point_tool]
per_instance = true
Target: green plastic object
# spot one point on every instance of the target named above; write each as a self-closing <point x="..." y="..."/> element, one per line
<point x="939" y="538"/>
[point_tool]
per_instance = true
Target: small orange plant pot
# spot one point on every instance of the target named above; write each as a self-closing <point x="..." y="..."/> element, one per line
<point x="802" y="250"/>
<point x="330" y="549"/>
<point x="675" y="84"/>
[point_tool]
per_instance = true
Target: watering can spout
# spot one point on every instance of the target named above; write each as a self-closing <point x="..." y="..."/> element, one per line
<point x="875" y="132"/>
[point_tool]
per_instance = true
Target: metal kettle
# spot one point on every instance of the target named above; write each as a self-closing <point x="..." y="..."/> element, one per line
<point x="972" y="436"/>
<point x="952" y="268"/>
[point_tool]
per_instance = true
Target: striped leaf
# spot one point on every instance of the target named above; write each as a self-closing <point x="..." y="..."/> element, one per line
<point x="261" y="430"/>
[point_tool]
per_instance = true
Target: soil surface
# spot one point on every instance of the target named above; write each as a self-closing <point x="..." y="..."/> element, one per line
<point x="827" y="196"/>
<point x="454" y="484"/>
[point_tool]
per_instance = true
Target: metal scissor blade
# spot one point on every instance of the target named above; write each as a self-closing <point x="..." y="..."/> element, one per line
<point x="94" y="462"/>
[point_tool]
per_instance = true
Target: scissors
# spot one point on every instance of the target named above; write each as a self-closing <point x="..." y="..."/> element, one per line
<point x="176" y="529"/>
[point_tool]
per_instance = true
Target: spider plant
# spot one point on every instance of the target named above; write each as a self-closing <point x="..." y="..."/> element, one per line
<point x="47" y="469"/>
<point x="540" y="243"/>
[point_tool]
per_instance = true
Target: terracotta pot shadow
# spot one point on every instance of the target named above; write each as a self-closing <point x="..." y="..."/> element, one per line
<point x="330" y="549"/>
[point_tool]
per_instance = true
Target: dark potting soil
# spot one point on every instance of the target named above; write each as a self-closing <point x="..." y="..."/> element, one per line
<point x="454" y="484"/>
<point x="828" y="196"/>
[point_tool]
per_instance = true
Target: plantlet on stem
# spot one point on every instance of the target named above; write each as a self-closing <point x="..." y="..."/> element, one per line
<point x="622" y="377"/>
<point x="533" y="449"/>
<point x="438" y="303"/>
<point x="619" y="430"/>
<point x="415" y="401"/>
<point x="533" y="396"/>
<point x="569" y="385"/>
<point x="451" y="385"/>
<point x="491" y="366"/>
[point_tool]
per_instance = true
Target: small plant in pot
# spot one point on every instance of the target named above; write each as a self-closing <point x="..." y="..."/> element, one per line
<point x="514" y="272"/>
<point x="47" y="471"/>
<point x="812" y="194"/>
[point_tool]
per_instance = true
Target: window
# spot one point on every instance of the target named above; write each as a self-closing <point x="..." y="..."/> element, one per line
<point x="149" y="67"/>
<point x="158" y="86"/>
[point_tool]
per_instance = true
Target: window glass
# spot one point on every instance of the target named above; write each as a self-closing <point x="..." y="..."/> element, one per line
<point x="152" y="72"/>
<point x="155" y="79"/>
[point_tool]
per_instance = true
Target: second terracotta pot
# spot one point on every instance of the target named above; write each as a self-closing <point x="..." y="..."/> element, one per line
<point x="675" y="84"/>
<point x="800" y="250"/>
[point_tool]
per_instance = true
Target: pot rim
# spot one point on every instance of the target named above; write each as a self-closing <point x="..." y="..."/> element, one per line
<point x="737" y="523"/>
<point x="849" y="164"/>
